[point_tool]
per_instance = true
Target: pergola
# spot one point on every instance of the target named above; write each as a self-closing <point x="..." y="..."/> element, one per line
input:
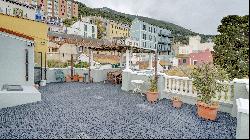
<point x="102" y="45"/>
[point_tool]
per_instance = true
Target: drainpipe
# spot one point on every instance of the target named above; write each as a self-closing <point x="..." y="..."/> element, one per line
<point x="41" y="68"/>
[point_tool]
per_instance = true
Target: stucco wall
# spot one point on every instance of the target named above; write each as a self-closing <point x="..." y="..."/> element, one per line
<point x="37" y="30"/>
<point x="78" y="29"/>
<point x="12" y="61"/>
<point x="9" y="7"/>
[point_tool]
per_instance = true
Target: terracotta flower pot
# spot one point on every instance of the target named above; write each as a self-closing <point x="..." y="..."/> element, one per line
<point x="76" y="78"/>
<point x="177" y="103"/>
<point x="152" y="96"/>
<point x="207" y="112"/>
<point x="68" y="78"/>
<point x="80" y="79"/>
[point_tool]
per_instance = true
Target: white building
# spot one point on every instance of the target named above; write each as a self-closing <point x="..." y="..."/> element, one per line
<point x="195" y="45"/>
<point x="83" y="29"/>
<point x="16" y="8"/>
<point x="17" y="68"/>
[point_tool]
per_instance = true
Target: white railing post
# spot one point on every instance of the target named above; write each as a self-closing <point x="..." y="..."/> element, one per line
<point x="173" y="85"/>
<point x="170" y="84"/>
<point x="186" y="86"/>
<point x="181" y="86"/>
<point x="177" y="84"/>
<point x="190" y="86"/>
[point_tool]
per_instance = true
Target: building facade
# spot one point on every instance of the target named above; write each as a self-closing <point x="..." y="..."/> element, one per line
<point x="115" y="29"/>
<point x="16" y="24"/>
<point x="195" y="45"/>
<point x="195" y="58"/>
<point x="18" y="9"/>
<point x="150" y="36"/>
<point x="83" y="29"/>
<point x="112" y="29"/>
<point x="55" y="10"/>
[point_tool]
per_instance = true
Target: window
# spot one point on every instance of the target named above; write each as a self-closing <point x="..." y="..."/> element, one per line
<point x="112" y="26"/>
<point x="93" y="35"/>
<point x="144" y="27"/>
<point x="154" y="30"/>
<point x="93" y="29"/>
<point x="144" y="36"/>
<point x="85" y="28"/>
<point x="150" y="37"/>
<point x="184" y="61"/>
<point x="195" y="62"/>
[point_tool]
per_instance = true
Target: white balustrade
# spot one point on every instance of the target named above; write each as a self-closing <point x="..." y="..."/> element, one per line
<point x="184" y="86"/>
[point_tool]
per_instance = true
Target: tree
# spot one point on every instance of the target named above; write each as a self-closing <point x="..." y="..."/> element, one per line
<point x="69" y="22"/>
<point x="231" y="49"/>
<point x="100" y="29"/>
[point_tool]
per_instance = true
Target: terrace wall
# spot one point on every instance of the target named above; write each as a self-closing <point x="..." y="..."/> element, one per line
<point x="169" y="86"/>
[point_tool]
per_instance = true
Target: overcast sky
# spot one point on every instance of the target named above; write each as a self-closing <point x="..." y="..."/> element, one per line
<point x="201" y="16"/>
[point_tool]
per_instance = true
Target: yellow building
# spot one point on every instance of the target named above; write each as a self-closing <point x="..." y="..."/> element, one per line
<point x="34" y="29"/>
<point x="115" y="29"/>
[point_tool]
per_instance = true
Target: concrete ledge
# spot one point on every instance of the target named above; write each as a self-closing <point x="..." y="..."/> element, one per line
<point x="13" y="98"/>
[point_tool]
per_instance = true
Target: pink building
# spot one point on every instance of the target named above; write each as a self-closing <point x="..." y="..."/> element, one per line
<point x="195" y="58"/>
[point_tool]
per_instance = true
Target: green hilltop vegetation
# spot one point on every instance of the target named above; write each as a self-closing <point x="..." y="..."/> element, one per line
<point x="179" y="33"/>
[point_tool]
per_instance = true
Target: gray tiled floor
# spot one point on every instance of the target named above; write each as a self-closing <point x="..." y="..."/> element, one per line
<point x="75" y="110"/>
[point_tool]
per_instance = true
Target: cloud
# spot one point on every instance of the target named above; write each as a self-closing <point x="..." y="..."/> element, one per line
<point x="201" y="16"/>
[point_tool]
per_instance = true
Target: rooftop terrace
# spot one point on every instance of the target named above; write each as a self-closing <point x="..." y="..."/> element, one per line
<point x="76" y="110"/>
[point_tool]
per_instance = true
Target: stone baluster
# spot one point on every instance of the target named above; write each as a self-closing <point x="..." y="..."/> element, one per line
<point x="190" y="85"/>
<point x="170" y="84"/>
<point x="181" y="86"/>
<point x="173" y="84"/>
<point x="177" y="84"/>
<point x="186" y="86"/>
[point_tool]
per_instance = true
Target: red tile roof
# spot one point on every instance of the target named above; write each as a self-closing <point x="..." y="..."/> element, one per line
<point x="16" y="33"/>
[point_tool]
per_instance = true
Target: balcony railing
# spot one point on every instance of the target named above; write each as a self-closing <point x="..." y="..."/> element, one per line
<point x="184" y="86"/>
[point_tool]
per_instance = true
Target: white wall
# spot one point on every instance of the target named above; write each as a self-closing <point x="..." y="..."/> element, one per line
<point x="9" y="6"/>
<point x="78" y="29"/>
<point x="12" y="61"/>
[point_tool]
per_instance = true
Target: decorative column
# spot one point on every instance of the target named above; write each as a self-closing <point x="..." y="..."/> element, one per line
<point x="127" y="61"/>
<point x="91" y="60"/>
<point x="150" y="62"/>
<point x="121" y="59"/>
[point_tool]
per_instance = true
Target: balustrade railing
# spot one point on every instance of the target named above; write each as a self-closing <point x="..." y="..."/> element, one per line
<point x="184" y="86"/>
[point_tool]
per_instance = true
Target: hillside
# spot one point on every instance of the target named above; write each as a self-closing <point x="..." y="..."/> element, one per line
<point x="180" y="34"/>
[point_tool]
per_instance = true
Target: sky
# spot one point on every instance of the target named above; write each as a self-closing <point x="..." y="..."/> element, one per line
<point x="201" y="16"/>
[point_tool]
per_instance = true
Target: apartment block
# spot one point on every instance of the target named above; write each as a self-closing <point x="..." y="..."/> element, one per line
<point x="152" y="37"/>
<point x="55" y="10"/>
<point x="115" y="29"/>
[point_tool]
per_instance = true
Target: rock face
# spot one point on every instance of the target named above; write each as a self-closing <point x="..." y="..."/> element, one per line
<point x="82" y="111"/>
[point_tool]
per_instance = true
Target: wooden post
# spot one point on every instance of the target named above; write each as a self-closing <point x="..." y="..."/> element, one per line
<point x="71" y="66"/>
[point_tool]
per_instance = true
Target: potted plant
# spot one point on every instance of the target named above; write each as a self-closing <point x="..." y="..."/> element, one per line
<point x="68" y="78"/>
<point x="80" y="78"/>
<point x="152" y="94"/>
<point x="76" y="78"/>
<point x="177" y="103"/>
<point x="207" y="81"/>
